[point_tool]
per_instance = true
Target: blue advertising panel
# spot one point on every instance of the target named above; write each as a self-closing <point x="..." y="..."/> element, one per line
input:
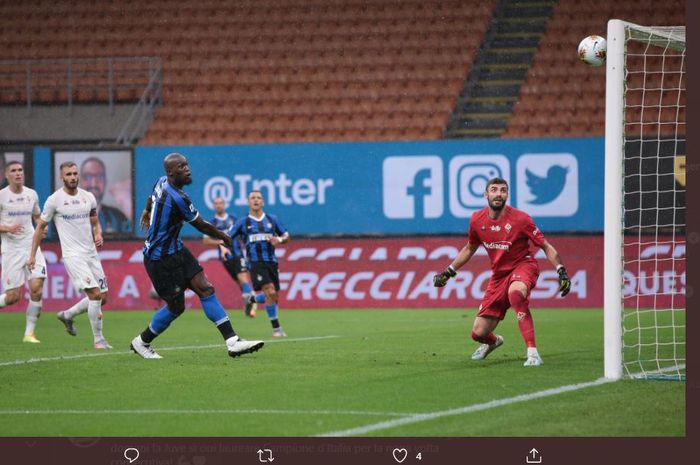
<point x="394" y="187"/>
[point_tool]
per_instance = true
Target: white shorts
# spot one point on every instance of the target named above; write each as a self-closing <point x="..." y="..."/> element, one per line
<point x="86" y="272"/>
<point x="14" y="268"/>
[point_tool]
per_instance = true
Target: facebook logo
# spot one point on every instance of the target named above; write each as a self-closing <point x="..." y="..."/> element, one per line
<point x="412" y="187"/>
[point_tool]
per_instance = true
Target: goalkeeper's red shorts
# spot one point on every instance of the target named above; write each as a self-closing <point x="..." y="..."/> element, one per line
<point x="495" y="302"/>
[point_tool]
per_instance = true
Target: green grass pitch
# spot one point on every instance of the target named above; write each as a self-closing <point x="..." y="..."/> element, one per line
<point x="347" y="372"/>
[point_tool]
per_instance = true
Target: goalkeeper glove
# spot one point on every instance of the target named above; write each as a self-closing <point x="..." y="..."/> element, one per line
<point x="440" y="279"/>
<point x="564" y="281"/>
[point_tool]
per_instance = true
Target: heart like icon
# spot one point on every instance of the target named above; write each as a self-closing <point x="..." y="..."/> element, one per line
<point x="400" y="454"/>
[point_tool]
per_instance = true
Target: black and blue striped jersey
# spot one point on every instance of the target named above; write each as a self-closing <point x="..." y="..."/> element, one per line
<point x="256" y="235"/>
<point x="223" y="225"/>
<point x="170" y="209"/>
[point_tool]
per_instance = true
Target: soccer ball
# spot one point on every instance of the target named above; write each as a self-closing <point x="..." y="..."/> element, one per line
<point x="592" y="50"/>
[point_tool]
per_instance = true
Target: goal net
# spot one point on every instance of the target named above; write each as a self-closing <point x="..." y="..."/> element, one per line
<point x="645" y="273"/>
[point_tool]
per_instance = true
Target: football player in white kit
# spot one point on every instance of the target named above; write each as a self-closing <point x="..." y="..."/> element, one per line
<point x="74" y="210"/>
<point x="19" y="205"/>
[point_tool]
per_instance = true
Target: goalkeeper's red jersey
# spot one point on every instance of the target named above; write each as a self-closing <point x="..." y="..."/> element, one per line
<point x="507" y="239"/>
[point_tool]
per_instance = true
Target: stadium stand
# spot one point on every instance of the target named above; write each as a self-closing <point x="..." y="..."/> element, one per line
<point x="500" y="68"/>
<point x="271" y="70"/>
<point x="562" y="97"/>
<point x="333" y="70"/>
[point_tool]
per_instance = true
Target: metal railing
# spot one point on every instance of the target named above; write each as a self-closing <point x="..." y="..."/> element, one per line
<point x="71" y="81"/>
<point x="142" y="115"/>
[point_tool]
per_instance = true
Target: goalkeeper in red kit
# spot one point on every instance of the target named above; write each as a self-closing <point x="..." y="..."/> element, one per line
<point x="505" y="232"/>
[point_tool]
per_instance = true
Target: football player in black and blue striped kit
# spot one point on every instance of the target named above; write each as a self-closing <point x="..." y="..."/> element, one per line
<point x="260" y="233"/>
<point x="172" y="267"/>
<point x="232" y="258"/>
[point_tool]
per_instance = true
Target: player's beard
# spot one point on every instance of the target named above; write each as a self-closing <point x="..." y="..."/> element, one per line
<point x="182" y="180"/>
<point x="493" y="206"/>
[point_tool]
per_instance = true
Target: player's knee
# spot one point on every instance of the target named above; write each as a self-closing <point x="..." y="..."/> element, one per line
<point x="176" y="306"/>
<point x="93" y="293"/>
<point x="177" y="310"/>
<point x="516" y="298"/>
<point x="478" y="335"/>
<point x="11" y="296"/>
<point x="176" y="303"/>
<point x="35" y="294"/>
<point x="206" y="291"/>
<point x="103" y="298"/>
<point x="271" y="296"/>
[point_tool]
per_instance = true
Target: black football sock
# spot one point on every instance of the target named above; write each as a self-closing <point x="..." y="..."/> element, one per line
<point x="275" y="323"/>
<point x="147" y="335"/>
<point x="226" y="329"/>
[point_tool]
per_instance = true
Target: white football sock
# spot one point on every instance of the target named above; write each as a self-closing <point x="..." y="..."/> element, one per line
<point x="2" y="300"/>
<point x="95" y="315"/>
<point x="77" y="309"/>
<point x="33" y="312"/>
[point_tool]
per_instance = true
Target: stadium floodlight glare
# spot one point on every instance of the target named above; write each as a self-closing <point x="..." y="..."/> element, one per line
<point x="645" y="133"/>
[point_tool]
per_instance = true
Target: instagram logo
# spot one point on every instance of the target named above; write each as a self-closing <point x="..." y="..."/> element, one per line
<point x="468" y="176"/>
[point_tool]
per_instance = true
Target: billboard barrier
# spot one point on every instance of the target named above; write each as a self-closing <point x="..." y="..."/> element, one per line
<point x="383" y="273"/>
<point x="379" y="188"/>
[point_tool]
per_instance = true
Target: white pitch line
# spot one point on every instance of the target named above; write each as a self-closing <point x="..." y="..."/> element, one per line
<point x="417" y="418"/>
<point x="644" y="374"/>
<point x="203" y="412"/>
<point x="111" y="352"/>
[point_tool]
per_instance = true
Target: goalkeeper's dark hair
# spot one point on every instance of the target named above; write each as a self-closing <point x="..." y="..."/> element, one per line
<point x="496" y="181"/>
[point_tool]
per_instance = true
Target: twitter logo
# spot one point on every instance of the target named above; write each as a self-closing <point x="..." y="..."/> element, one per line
<point x="547" y="184"/>
<point x="546" y="189"/>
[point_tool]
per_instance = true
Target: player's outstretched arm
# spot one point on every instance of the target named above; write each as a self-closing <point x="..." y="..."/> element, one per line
<point x="464" y="255"/>
<point x="39" y="233"/>
<point x="211" y="241"/>
<point x="210" y="230"/>
<point x="554" y="258"/>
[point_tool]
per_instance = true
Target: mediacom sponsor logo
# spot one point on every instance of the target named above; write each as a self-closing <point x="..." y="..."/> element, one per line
<point x="388" y="273"/>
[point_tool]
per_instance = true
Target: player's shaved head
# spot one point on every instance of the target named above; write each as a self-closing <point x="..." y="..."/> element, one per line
<point x="171" y="160"/>
<point x="177" y="169"/>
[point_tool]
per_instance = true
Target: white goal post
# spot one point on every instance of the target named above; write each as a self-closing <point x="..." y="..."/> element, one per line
<point x="644" y="265"/>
